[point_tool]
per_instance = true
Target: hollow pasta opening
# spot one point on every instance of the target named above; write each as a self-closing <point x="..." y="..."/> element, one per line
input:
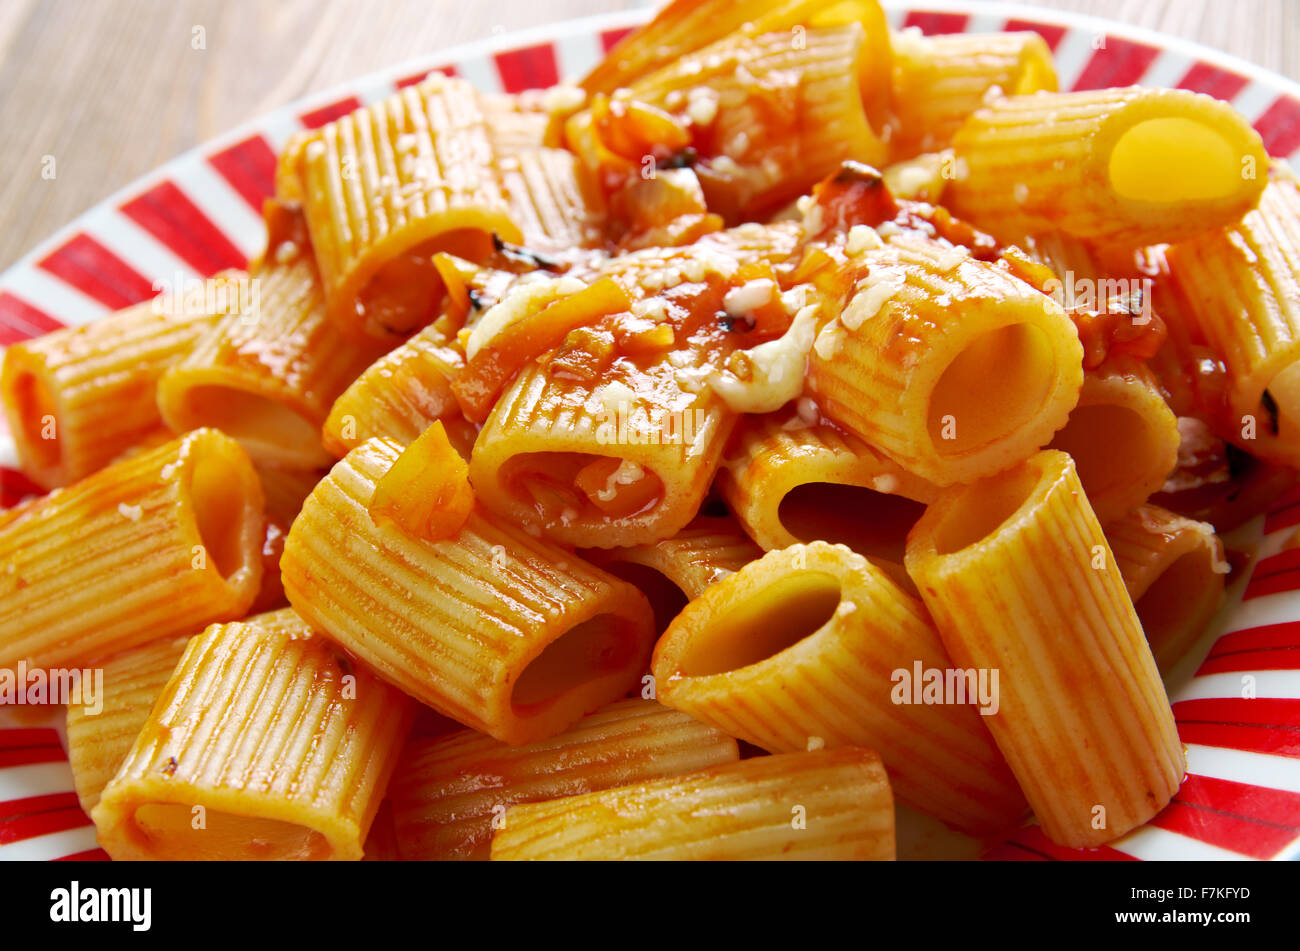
<point x="1110" y="446"/>
<point x="594" y="648"/>
<point x="1171" y="160"/>
<point x="406" y="292"/>
<point x="35" y="406"/>
<point x="568" y="486"/>
<point x="666" y="599"/>
<point x="982" y="509"/>
<point x="265" y="426"/>
<point x="992" y="389"/>
<point x="1175" y="598"/>
<point x="768" y="622"/>
<point x="216" y="489"/>
<point x="169" y="833"/>
<point x="869" y="522"/>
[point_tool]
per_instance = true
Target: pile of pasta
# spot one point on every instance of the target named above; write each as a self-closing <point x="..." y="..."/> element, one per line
<point x="579" y="473"/>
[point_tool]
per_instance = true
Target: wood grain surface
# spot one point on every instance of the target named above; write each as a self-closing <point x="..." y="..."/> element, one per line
<point x="112" y="88"/>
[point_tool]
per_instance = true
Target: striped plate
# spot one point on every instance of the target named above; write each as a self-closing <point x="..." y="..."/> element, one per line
<point x="200" y="213"/>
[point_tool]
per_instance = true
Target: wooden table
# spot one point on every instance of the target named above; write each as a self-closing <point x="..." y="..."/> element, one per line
<point x="112" y="89"/>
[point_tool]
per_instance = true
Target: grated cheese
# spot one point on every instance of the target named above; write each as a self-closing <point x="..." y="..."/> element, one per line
<point x="778" y="369"/>
<point x="742" y="300"/>
<point x="522" y="301"/>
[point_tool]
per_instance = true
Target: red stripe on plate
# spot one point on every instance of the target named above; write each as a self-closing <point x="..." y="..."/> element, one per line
<point x="249" y="167"/>
<point x="1272" y="584"/>
<point x="22" y="807"/>
<point x="449" y="70"/>
<point x="97" y="272"/>
<point x="30" y="756"/>
<point x="93" y="855"/>
<point x="1234" y="736"/>
<point x="19" y="320"/>
<point x="1279" y="126"/>
<point x="1283" y="561"/>
<point x="932" y="23"/>
<point x="1286" y="658"/>
<point x="1032" y="837"/>
<point x="1118" y="63"/>
<point x="1013" y="852"/>
<point x="1276" y="806"/>
<point x="1212" y="81"/>
<point x="609" y="38"/>
<point x="167" y="214"/>
<point x="41" y="823"/>
<point x="529" y="67"/>
<point x="335" y="110"/>
<point x="28" y="737"/>
<point x="1051" y="34"/>
<point x="1266" y="637"/>
<point x="1276" y="713"/>
<point x="1224" y="830"/>
<point x="14" y="487"/>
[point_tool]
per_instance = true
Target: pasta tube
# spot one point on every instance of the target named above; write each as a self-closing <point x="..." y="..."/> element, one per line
<point x="399" y="396"/>
<point x="266" y="743"/>
<point x="450" y="792"/>
<point x="808" y="646"/>
<point x="790" y="479"/>
<point x="77" y="398"/>
<point x="268" y="375"/>
<point x="387" y="186"/>
<point x="1175" y="573"/>
<point x="499" y="630"/>
<point x="554" y="200"/>
<point x="678" y="569"/>
<point x="1018" y="576"/>
<point x="98" y="743"/>
<point x="1128" y="166"/>
<point x="949" y="400"/>
<point x="831" y="804"/>
<point x="940" y="81"/>
<point x="684" y="26"/>
<point x="1242" y="288"/>
<point x="157" y="544"/>
<point x="623" y="460"/>
<point x="768" y="115"/>
<point x="1122" y="436"/>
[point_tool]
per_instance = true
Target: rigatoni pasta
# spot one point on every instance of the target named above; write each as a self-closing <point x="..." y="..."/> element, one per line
<point x="99" y="741"/>
<point x="268" y="373"/>
<point x="940" y="81"/>
<point x="158" y="544"/>
<point x="301" y="774"/>
<point x="803" y="649"/>
<point x="499" y="630"/>
<point x="833" y="804"/>
<point x="1128" y="166"/>
<point x="1174" y="570"/>
<point x="676" y="570"/>
<point x="949" y="401"/>
<point x="792" y="477"/>
<point x="1242" y="289"/>
<point x="77" y="398"/>
<point x="698" y="352"/>
<point x="451" y="792"/>
<point x="1122" y="436"/>
<point x="1019" y="578"/>
<point x="384" y="188"/>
